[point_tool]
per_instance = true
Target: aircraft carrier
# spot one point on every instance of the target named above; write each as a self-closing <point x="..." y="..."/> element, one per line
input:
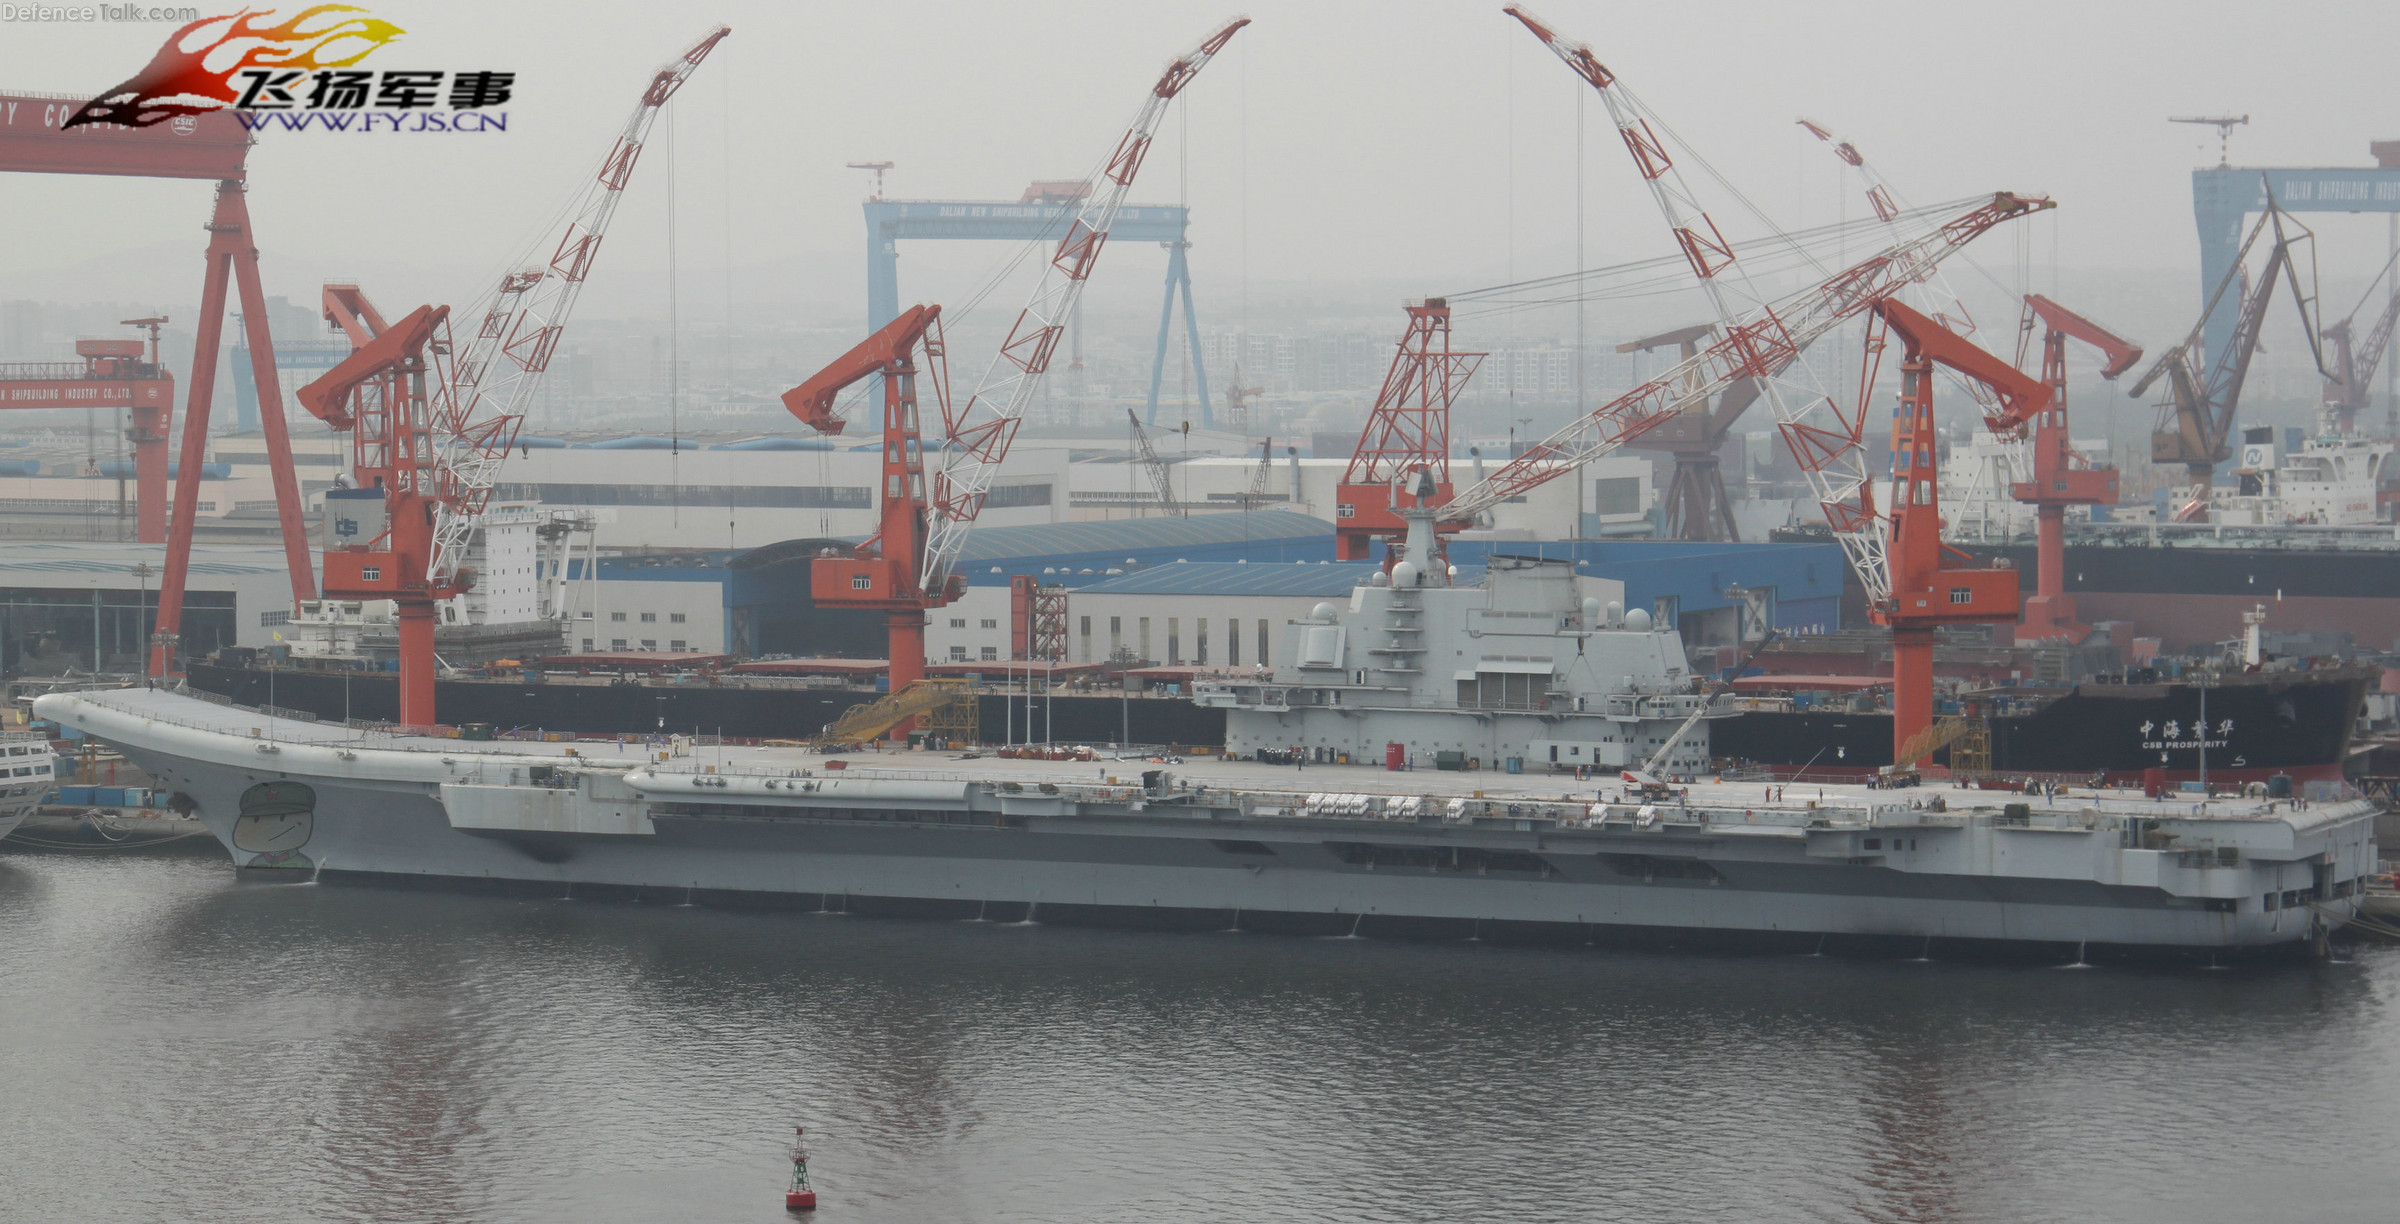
<point x="1221" y="844"/>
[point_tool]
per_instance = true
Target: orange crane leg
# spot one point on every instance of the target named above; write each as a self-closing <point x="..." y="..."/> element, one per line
<point x="906" y="639"/>
<point x="415" y="619"/>
<point x="1912" y="683"/>
<point x="2050" y="612"/>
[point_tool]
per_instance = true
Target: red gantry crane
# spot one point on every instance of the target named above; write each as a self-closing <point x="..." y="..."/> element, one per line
<point x="2061" y="478"/>
<point x="1927" y="590"/>
<point x="929" y="504"/>
<point x="35" y="138"/>
<point x="111" y="374"/>
<point x="1759" y="344"/>
<point x="431" y="419"/>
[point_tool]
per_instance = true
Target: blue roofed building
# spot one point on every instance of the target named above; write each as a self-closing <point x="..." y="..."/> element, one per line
<point x="1202" y="589"/>
<point x="1718" y="594"/>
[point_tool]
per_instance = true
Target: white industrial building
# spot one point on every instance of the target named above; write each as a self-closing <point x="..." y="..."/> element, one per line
<point x="694" y="497"/>
<point x="57" y="600"/>
<point x="1613" y="499"/>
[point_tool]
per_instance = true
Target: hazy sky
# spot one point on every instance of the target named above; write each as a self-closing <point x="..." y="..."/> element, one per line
<point x="1417" y="146"/>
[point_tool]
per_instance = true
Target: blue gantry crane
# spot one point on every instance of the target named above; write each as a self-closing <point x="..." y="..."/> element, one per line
<point x="1041" y="215"/>
<point x="2224" y="195"/>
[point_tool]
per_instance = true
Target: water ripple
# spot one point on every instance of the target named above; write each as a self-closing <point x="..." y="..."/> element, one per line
<point x="181" y="1045"/>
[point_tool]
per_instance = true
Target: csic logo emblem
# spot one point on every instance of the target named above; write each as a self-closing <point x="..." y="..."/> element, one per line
<point x="296" y="72"/>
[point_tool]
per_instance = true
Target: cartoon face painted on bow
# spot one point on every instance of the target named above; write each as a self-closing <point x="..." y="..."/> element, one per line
<point x="276" y="820"/>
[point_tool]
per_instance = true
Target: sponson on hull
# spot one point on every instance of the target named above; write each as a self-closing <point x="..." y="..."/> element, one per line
<point x="1227" y="844"/>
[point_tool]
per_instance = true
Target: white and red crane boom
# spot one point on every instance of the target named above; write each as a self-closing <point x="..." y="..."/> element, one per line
<point x="981" y="429"/>
<point x="1757" y="345"/>
<point x="516" y="325"/>
<point x="431" y="416"/>
<point x="1759" y="338"/>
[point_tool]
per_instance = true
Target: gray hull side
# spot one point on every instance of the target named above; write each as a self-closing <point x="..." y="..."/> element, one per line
<point x="401" y="829"/>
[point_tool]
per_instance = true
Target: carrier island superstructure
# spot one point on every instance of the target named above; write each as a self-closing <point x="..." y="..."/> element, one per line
<point x="1520" y="666"/>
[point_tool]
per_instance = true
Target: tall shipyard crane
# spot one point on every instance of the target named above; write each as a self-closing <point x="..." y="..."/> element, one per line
<point x="2352" y="383"/>
<point x="431" y="418"/>
<point x="928" y="505"/>
<point x="2204" y="389"/>
<point x="1757" y="338"/>
<point x="881" y="574"/>
<point x="2059" y="477"/>
<point x="1927" y="591"/>
<point x="1759" y="344"/>
<point x="982" y="428"/>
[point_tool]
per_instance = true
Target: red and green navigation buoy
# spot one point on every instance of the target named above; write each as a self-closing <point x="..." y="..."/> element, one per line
<point x="802" y="1196"/>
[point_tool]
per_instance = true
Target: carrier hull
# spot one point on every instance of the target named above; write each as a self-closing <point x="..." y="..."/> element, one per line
<point x="928" y="844"/>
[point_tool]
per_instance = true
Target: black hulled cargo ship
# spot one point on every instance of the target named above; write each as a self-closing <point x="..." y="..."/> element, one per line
<point x="2259" y="725"/>
<point x="2183" y="584"/>
<point x="2233" y="728"/>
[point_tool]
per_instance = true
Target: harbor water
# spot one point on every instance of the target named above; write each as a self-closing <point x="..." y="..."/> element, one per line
<point x="176" y="1044"/>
